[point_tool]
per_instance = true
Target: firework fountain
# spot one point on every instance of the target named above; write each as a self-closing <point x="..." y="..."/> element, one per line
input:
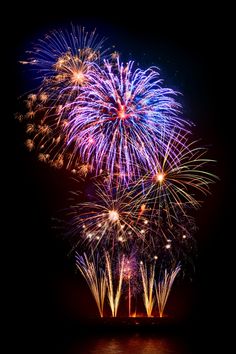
<point x="116" y="126"/>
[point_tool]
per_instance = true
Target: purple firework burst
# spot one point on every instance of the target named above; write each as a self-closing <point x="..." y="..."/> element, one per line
<point x="122" y="118"/>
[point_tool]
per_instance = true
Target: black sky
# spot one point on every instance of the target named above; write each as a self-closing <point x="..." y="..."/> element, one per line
<point x="190" y="48"/>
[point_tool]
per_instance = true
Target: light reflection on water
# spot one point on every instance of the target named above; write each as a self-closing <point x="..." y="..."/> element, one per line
<point x="134" y="344"/>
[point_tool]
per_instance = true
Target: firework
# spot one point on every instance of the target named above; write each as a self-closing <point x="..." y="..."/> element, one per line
<point x="61" y="58"/>
<point x="122" y="131"/>
<point x="114" y="296"/>
<point x="163" y="288"/>
<point x="118" y="123"/>
<point x="95" y="278"/>
<point x="179" y="176"/>
<point x="148" y="275"/>
<point x="130" y="276"/>
<point x="111" y="220"/>
<point x="63" y="61"/>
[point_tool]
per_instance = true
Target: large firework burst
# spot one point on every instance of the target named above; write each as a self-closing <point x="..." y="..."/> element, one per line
<point x="122" y="119"/>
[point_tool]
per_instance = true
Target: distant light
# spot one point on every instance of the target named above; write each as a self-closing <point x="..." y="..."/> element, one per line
<point x="120" y="238"/>
<point x="145" y="221"/>
<point x="97" y="238"/>
<point x="141" y="262"/>
<point x="142" y="231"/>
<point x="184" y="236"/>
<point x="155" y="257"/>
<point x="99" y="225"/>
<point x="168" y="246"/>
<point x="90" y="235"/>
<point x="168" y="240"/>
<point x="113" y="215"/>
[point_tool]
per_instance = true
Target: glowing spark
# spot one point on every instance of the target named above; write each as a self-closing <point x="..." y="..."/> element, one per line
<point x="113" y="215"/>
<point x="160" y="177"/>
<point x="29" y="144"/>
<point x="78" y="78"/>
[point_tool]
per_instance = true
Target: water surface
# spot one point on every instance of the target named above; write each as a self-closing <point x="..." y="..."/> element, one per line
<point x="131" y="344"/>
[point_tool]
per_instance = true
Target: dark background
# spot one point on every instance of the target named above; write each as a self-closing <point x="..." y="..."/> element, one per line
<point x="190" y="46"/>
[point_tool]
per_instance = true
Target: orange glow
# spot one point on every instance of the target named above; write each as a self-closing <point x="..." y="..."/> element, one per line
<point x="121" y="112"/>
<point x="160" y="177"/>
<point x="78" y="77"/>
<point x="142" y="209"/>
<point x="113" y="215"/>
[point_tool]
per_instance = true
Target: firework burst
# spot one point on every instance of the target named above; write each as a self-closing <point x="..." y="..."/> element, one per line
<point x="63" y="61"/>
<point x="177" y="180"/>
<point x="61" y="58"/>
<point x="118" y="123"/>
<point x="112" y="219"/>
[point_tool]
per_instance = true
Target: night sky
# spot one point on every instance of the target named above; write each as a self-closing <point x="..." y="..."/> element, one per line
<point x="191" y="52"/>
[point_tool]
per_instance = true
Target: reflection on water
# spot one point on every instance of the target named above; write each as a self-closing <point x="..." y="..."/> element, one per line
<point x="134" y="344"/>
